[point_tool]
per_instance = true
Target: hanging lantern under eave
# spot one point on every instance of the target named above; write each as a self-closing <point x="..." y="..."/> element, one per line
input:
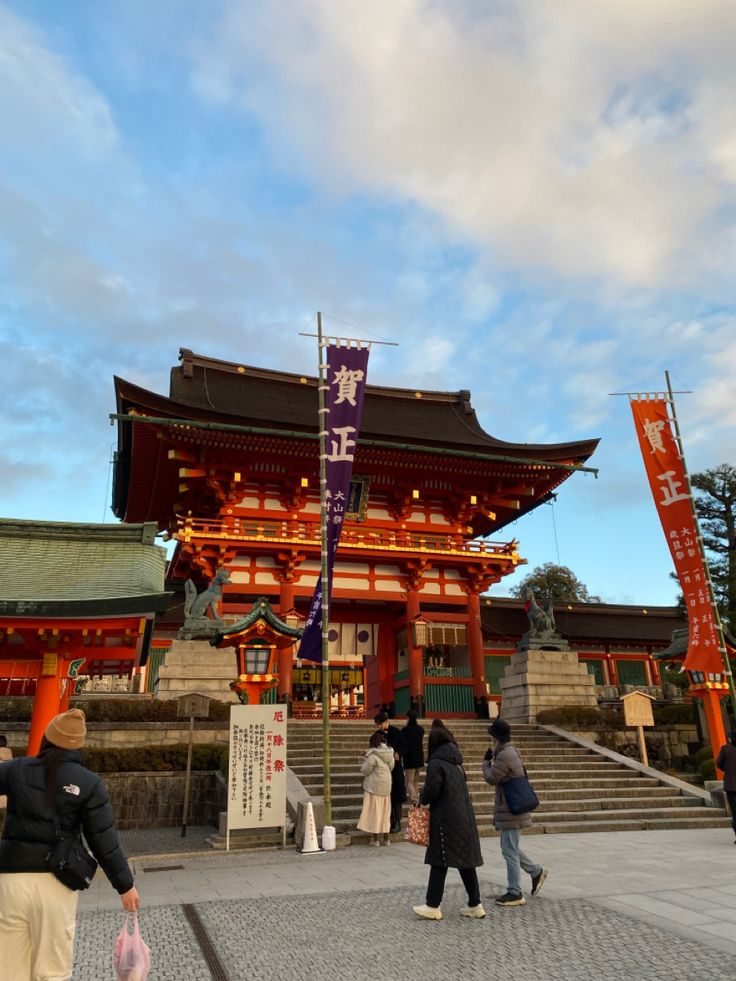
<point x="420" y="631"/>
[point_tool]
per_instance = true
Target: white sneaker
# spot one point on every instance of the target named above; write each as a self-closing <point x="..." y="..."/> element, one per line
<point x="428" y="912"/>
<point x="474" y="912"/>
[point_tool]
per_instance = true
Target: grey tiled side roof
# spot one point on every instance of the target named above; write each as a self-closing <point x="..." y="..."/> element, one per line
<point x="45" y="560"/>
<point x="504" y="618"/>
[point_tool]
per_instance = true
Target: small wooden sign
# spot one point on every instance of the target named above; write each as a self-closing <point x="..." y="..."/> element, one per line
<point x="638" y="709"/>
<point x="638" y="712"/>
<point x="193" y="705"/>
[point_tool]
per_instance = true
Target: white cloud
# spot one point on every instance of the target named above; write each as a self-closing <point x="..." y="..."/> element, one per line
<point x="44" y="104"/>
<point x="588" y="139"/>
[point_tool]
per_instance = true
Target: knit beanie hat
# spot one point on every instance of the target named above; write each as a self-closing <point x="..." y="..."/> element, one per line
<point x="67" y="730"/>
<point x="500" y="729"/>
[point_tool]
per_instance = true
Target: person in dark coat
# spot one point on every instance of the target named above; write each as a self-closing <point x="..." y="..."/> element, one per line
<point x="727" y="762"/>
<point x="439" y="724"/>
<point x="453" y="832"/>
<point x="51" y="795"/>
<point x="414" y="756"/>
<point x="395" y="739"/>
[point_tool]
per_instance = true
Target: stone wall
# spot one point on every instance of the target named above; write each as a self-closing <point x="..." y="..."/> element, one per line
<point x="668" y="745"/>
<point x="156" y="800"/>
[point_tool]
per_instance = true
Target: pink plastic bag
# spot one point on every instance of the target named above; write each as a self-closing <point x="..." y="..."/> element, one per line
<point x="131" y="957"/>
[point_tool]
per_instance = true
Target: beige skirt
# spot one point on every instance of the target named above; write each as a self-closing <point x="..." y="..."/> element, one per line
<point x="375" y="818"/>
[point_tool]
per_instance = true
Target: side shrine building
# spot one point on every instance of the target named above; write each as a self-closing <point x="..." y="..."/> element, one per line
<point x="228" y="466"/>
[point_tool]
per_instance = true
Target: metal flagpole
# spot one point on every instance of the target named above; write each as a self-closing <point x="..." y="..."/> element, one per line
<point x="711" y="591"/>
<point x="324" y="574"/>
<point x="323" y="388"/>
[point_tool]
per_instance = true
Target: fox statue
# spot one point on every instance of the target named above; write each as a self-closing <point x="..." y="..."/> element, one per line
<point x="206" y="603"/>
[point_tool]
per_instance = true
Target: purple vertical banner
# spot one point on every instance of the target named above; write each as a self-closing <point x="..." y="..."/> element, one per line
<point x="345" y="380"/>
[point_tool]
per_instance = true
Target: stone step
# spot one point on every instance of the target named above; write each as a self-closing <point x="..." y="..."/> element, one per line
<point x="246" y="843"/>
<point x="573" y="793"/>
<point x="643" y="824"/>
<point x="483" y="807"/>
<point x="545" y="758"/>
<point x="598" y="771"/>
<point x="579" y="789"/>
<point x="579" y="824"/>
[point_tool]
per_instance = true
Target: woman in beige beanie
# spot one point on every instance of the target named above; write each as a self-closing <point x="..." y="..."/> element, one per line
<point x="51" y="797"/>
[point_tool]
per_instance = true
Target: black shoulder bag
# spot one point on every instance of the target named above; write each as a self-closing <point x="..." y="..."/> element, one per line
<point x="519" y="794"/>
<point x="70" y="862"/>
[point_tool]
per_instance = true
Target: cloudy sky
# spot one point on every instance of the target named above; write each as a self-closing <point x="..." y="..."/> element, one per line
<point x="535" y="198"/>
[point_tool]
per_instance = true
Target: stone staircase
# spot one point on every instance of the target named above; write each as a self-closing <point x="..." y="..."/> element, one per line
<point x="579" y="789"/>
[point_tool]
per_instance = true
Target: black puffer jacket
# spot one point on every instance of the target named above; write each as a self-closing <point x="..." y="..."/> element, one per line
<point x="81" y="805"/>
<point x="453" y="833"/>
<point x="413" y="737"/>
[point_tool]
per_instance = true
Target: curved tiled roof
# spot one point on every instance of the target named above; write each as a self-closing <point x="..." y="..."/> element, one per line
<point x="58" y="566"/>
<point x="276" y="404"/>
<point x="504" y="620"/>
<point x="211" y="389"/>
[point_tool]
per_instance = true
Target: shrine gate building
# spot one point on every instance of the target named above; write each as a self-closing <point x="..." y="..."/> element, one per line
<point x="227" y="465"/>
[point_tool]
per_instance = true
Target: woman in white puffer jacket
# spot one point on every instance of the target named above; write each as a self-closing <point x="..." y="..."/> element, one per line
<point x="375" y="818"/>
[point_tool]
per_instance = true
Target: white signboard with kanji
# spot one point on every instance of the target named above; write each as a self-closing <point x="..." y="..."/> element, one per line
<point x="256" y="785"/>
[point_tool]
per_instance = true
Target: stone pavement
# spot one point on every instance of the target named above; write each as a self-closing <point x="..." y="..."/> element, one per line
<point x="639" y="906"/>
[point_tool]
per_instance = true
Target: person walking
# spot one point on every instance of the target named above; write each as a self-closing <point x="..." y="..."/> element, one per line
<point x="413" y="761"/>
<point x="500" y="764"/>
<point x="51" y="796"/>
<point x="727" y="762"/>
<point x="453" y="832"/>
<point x="395" y="740"/>
<point x="378" y="762"/>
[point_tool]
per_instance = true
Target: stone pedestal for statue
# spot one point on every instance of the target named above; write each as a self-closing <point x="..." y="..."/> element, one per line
<point x="193" y="665"/>
<point x="541" y="679"/>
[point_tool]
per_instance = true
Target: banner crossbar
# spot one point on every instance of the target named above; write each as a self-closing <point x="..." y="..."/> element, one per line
<point x="643" y="396"/>
<point x="325" y="341"/>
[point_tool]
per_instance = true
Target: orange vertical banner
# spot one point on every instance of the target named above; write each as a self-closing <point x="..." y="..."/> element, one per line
<point x="669" y="484"/>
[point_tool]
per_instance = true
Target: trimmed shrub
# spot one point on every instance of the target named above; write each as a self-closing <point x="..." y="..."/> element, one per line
<point x="580" y="717"/>
<point x="114" y="709"/>
<point x="680" y="679"/>
<point x="707" y="769"/>
<point x="706" y="753"/>
<point x="205" y="756"/>
<point x="16" y="709"/>
<point x="140" y="710"/>
<point x="669" y="715"/>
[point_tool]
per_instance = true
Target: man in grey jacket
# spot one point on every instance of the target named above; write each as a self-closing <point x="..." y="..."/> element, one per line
<point x="502" y="763"/>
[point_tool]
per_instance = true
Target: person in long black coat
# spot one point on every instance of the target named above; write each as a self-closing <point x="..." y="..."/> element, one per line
<point x="453" y="832"/>
<point x="396" y="741"/>
<point x="414" y="756"/>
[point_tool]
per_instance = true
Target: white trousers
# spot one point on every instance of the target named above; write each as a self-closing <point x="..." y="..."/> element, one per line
<point x="37" y="920"/>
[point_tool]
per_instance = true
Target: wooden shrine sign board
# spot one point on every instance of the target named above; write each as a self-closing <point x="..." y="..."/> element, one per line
<point x="193" y="705"/>
<point x="638" y="712"/>
<point x="638" y="709"/>
<point x="256" y="780"/>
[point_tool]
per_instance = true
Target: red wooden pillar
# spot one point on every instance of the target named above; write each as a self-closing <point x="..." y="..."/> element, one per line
<point x="713" y="716"/>
<point x="67" y="689"/>
<point x="47" y="701"/>
<point x="612" y="672"/>
<point x="285" y="666"/>
<point x="475" y="645"/>
<point x="415" y="655"/>
<point x="386" y="666"/>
